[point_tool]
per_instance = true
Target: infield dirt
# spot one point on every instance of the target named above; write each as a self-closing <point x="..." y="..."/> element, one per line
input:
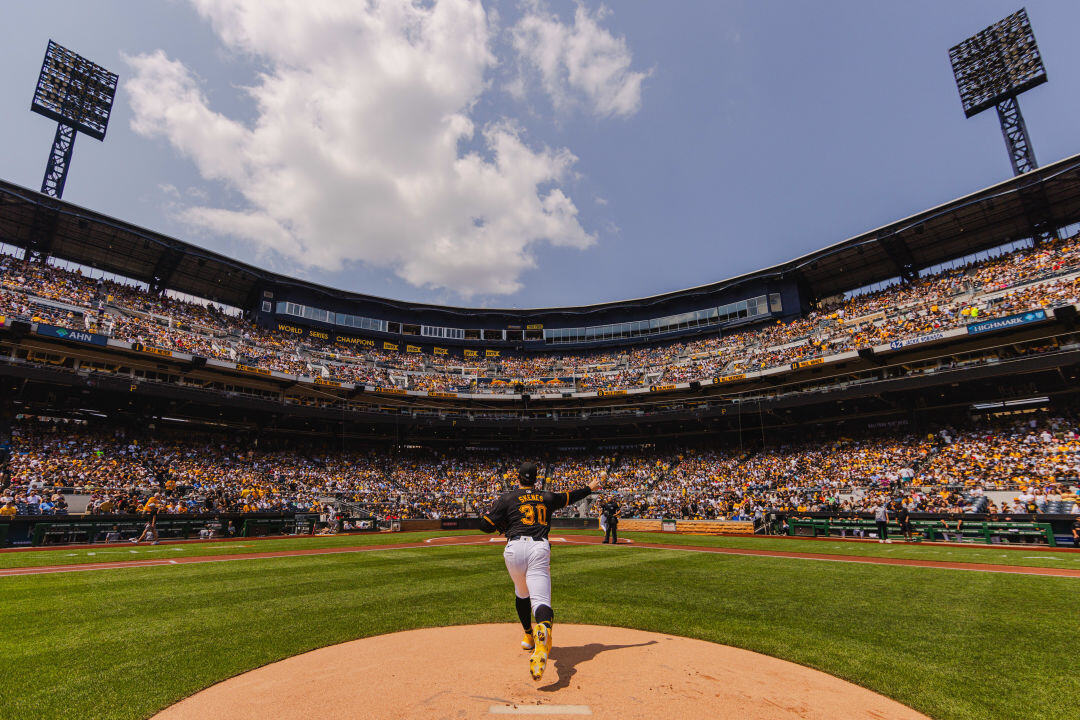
<point x="479" y="671"/>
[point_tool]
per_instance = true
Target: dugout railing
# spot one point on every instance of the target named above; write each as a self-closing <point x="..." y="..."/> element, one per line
<point x="44" y="530"/>
<point x="946" y="528"/>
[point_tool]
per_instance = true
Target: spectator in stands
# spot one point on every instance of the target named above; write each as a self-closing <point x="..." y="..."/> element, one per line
<point x="1024" y="279"/>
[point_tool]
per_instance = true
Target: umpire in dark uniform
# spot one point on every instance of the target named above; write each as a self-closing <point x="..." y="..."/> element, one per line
<point x="610" y="511"/>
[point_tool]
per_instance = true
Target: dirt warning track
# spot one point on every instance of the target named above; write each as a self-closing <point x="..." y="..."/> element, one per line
<point x="458" y="540"/>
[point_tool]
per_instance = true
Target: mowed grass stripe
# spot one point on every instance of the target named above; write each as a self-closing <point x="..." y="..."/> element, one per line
<point x="125" y="644"/>
<point x="1025" y="557"/>
<point x="125" y="552"/>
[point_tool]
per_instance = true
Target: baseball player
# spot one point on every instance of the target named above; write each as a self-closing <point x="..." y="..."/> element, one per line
<point x="524" y="516"/>
<point x="151" y="509"/>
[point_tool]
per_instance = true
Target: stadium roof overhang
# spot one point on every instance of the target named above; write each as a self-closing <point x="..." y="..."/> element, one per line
<point x="979" y="221"/>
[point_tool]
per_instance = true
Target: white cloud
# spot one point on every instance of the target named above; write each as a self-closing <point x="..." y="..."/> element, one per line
<point x="355" y="153"/>
<point x="581" y="63"/>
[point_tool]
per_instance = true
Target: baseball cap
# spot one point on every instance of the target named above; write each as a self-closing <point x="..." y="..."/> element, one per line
<point x="527" y="473"/>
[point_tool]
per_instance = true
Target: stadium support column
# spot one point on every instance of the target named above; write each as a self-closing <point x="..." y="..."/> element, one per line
<point x="166" y="265"/>
<point x="1022" y="156"/>
<point x="59" y="158"/>
<point x="900" y="255"/>
<point x="1014" y="130"/>
<point x="42" y="232"/>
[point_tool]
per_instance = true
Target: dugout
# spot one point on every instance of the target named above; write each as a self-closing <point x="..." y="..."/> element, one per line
<point x="44" y="530"/>
<point x="1047" y="530"/>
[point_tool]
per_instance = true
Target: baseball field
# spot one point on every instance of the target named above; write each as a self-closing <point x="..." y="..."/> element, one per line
<point x="952" y="632"/>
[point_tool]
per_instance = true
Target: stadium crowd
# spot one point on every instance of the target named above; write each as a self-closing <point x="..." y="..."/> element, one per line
<point x="1038" y="459"/>
<point x="1042" y="276"/>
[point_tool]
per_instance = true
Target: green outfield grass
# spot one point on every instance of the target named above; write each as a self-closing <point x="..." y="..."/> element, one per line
<point x="123" y="552"/>
<point x="1025" y="556"/>
<point x="125" y="643"/>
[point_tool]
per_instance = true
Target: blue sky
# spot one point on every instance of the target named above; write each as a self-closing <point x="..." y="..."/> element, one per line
<point x="530" y="153"/>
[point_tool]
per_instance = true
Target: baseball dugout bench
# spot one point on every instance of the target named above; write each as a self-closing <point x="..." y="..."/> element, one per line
<point x="59" y="533"/>
<point x="261" y="527"/>
<point x="66" y="533"/>
<point x="975" y="531"/>
<point x="101" y="532"/>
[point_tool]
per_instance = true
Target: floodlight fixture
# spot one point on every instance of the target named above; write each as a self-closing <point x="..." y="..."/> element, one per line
<point x="991" y="68"/>
<point x="78" y="94"/>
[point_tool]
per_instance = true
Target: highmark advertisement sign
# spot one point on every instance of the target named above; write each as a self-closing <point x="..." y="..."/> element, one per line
<point x="1006" y="322"/>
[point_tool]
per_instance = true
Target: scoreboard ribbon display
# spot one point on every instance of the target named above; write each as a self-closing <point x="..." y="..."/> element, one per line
<point x="149" y="349"/>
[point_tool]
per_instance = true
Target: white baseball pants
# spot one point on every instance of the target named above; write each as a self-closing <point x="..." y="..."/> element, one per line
<point x="529" y="563"/>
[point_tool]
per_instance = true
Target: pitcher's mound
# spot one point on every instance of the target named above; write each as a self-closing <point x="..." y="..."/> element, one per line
<point x="480" y="671"/>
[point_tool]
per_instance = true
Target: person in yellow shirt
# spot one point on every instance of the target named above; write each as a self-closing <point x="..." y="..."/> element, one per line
<point x="152" y="508"/>
<point x="8" y="509"/>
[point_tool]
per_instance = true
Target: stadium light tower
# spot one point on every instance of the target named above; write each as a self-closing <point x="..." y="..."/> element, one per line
<point x="78" y="95"/>
<point x="991" y="68"/>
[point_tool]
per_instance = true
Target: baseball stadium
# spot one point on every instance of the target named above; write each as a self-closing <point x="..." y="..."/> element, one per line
<point x="840" y="486"/>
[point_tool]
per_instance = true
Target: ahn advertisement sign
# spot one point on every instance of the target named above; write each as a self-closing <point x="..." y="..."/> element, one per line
<point x="76" y="335"/>
<point x="1006" y="322"/>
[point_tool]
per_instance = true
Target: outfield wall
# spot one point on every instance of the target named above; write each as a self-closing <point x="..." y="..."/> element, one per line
<point x="688" y="527"/>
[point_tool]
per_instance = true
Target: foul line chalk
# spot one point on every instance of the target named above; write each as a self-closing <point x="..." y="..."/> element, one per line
<point x="539" y="710"/>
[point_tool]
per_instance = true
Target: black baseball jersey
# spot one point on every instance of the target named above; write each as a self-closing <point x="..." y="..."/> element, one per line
<point x="527" y="511"/>
<point x="611" y="511"/>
